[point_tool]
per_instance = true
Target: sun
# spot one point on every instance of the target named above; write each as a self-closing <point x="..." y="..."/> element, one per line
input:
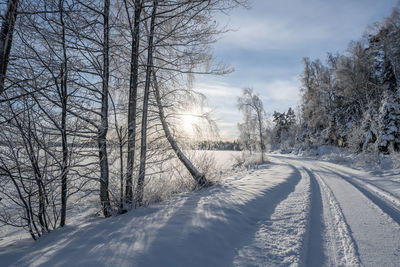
<point x="188" y="123"/>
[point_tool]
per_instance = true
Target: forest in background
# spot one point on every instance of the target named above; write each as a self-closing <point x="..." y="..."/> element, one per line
<point x="351" y="100"/>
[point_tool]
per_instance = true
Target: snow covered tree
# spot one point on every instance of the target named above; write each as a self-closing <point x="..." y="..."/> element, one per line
<point x="134" y="28"/>
<point x="252" y="107"/>
<point x="284" y="131"/>
<point x="74" y="64"/>
<point x="351" y="101"/>
<point x="389" y="125"/>
<point x="248" y="134"/>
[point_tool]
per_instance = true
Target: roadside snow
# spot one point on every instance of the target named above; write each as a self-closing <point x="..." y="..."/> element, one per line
<point x="282" y="239"/>
<point x="202" y="228"/>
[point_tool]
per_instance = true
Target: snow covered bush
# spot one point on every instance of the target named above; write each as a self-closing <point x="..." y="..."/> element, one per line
<point x="246" y="160"/>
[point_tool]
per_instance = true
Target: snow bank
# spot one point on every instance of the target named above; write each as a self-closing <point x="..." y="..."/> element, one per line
<point x="203" y="228"/>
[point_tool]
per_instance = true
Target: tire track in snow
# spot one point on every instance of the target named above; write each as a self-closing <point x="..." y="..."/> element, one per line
<point x="345" y="248"/>
<point x="283" y="239"/>
<point x="384" y="200"/>
<point x="376" y="234"/>
<point x="330" y="239"/>
<point x="315" y="253"/>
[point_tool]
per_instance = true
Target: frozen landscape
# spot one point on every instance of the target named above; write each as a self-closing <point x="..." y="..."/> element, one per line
<point x="199" y="133"/>
<point x="290" y="211"/>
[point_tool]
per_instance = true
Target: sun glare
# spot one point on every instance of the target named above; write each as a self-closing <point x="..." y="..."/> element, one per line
<point x="188" y="123"/>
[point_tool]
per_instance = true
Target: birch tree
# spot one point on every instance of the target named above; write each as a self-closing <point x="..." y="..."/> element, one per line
<point x="103" y="127"/>
<point x="143" y="142"/>
<point x="6" y="38"/>
<point x="251" y="104"/>
<point x="133" y="88"/>
<point x="197" y="176"/>
<point x="182" y="48"/>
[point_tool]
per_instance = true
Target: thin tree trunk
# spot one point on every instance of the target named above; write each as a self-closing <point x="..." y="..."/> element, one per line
<point x="143" y="143"/>
<point x="197" y="176"/>
<point x="6" y="38"/>
<point x="261" y="138"/>
<point x="27" y="140"/>
<point x="64" y="99"/>
<point x="25" y="204"/>
<point x="102" y="131"/>
<point x="133" y="85"/>
<point x="121" y="168"/>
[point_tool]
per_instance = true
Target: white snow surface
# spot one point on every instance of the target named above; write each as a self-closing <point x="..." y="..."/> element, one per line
<point x="290" y="211"/>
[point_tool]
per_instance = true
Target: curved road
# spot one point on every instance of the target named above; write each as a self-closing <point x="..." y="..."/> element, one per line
<point x="351" y="224"/>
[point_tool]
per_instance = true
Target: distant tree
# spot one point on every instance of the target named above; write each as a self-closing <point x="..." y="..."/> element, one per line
<point x="248" y="134"/>
<point x="284" y="132"/>
<point x="252" y="107"/>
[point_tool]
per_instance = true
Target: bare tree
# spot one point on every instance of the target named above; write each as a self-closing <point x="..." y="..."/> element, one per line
<point x="64" y="101"/>
<point x="103" y="128"/>
<point x="133" y="87"/>
<point x="143" y="143"/>
<point x="6" y="38"/>
<point x="197" y="176"/>
<point x="27" y="165"/>
<point x="184" y="32"/>
<point x="251" y="104"/>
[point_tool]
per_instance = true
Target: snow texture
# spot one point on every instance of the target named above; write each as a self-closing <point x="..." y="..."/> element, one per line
<point x="291" y="211"/>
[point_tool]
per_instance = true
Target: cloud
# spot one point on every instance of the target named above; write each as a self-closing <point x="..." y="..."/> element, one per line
<point x="266" y="33"/>
<point x="216" y="89"/>
<point x="294" y="24"/>
<point x="280" y="90"/>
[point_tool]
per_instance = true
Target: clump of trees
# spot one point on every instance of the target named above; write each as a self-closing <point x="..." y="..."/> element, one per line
<point x="87" y="93"/>
<point x="218" y="145"/>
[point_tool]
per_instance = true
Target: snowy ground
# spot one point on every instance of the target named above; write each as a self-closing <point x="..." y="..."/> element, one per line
<point x="292" y="211"/>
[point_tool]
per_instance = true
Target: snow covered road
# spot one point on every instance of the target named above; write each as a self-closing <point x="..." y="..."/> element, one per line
<point x="360" y="224"/>
<point x="289" y="212"/>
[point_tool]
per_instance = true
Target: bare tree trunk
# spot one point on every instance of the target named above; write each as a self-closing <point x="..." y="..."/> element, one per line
<point x="28" y="139"/>
<point x="133" y="85"/>
<point x="64" y="99"/>
<point x="197" y="176"/>
<point x="103" y="128"/>
<point x="6" y="38"/>
<point x="251" y="103"/>
<point x="26" y="207"/>
<point x="262" y="146"/>
<point x="143" y="147"/>
<point x="121" y="168"/>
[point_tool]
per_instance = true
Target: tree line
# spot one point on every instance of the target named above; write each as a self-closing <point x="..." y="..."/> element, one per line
<point x="89" y="91"/>
<point x="351" y="100"/>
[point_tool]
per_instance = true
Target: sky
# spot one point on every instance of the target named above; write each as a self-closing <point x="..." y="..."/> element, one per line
<point x="266" y="46"/>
